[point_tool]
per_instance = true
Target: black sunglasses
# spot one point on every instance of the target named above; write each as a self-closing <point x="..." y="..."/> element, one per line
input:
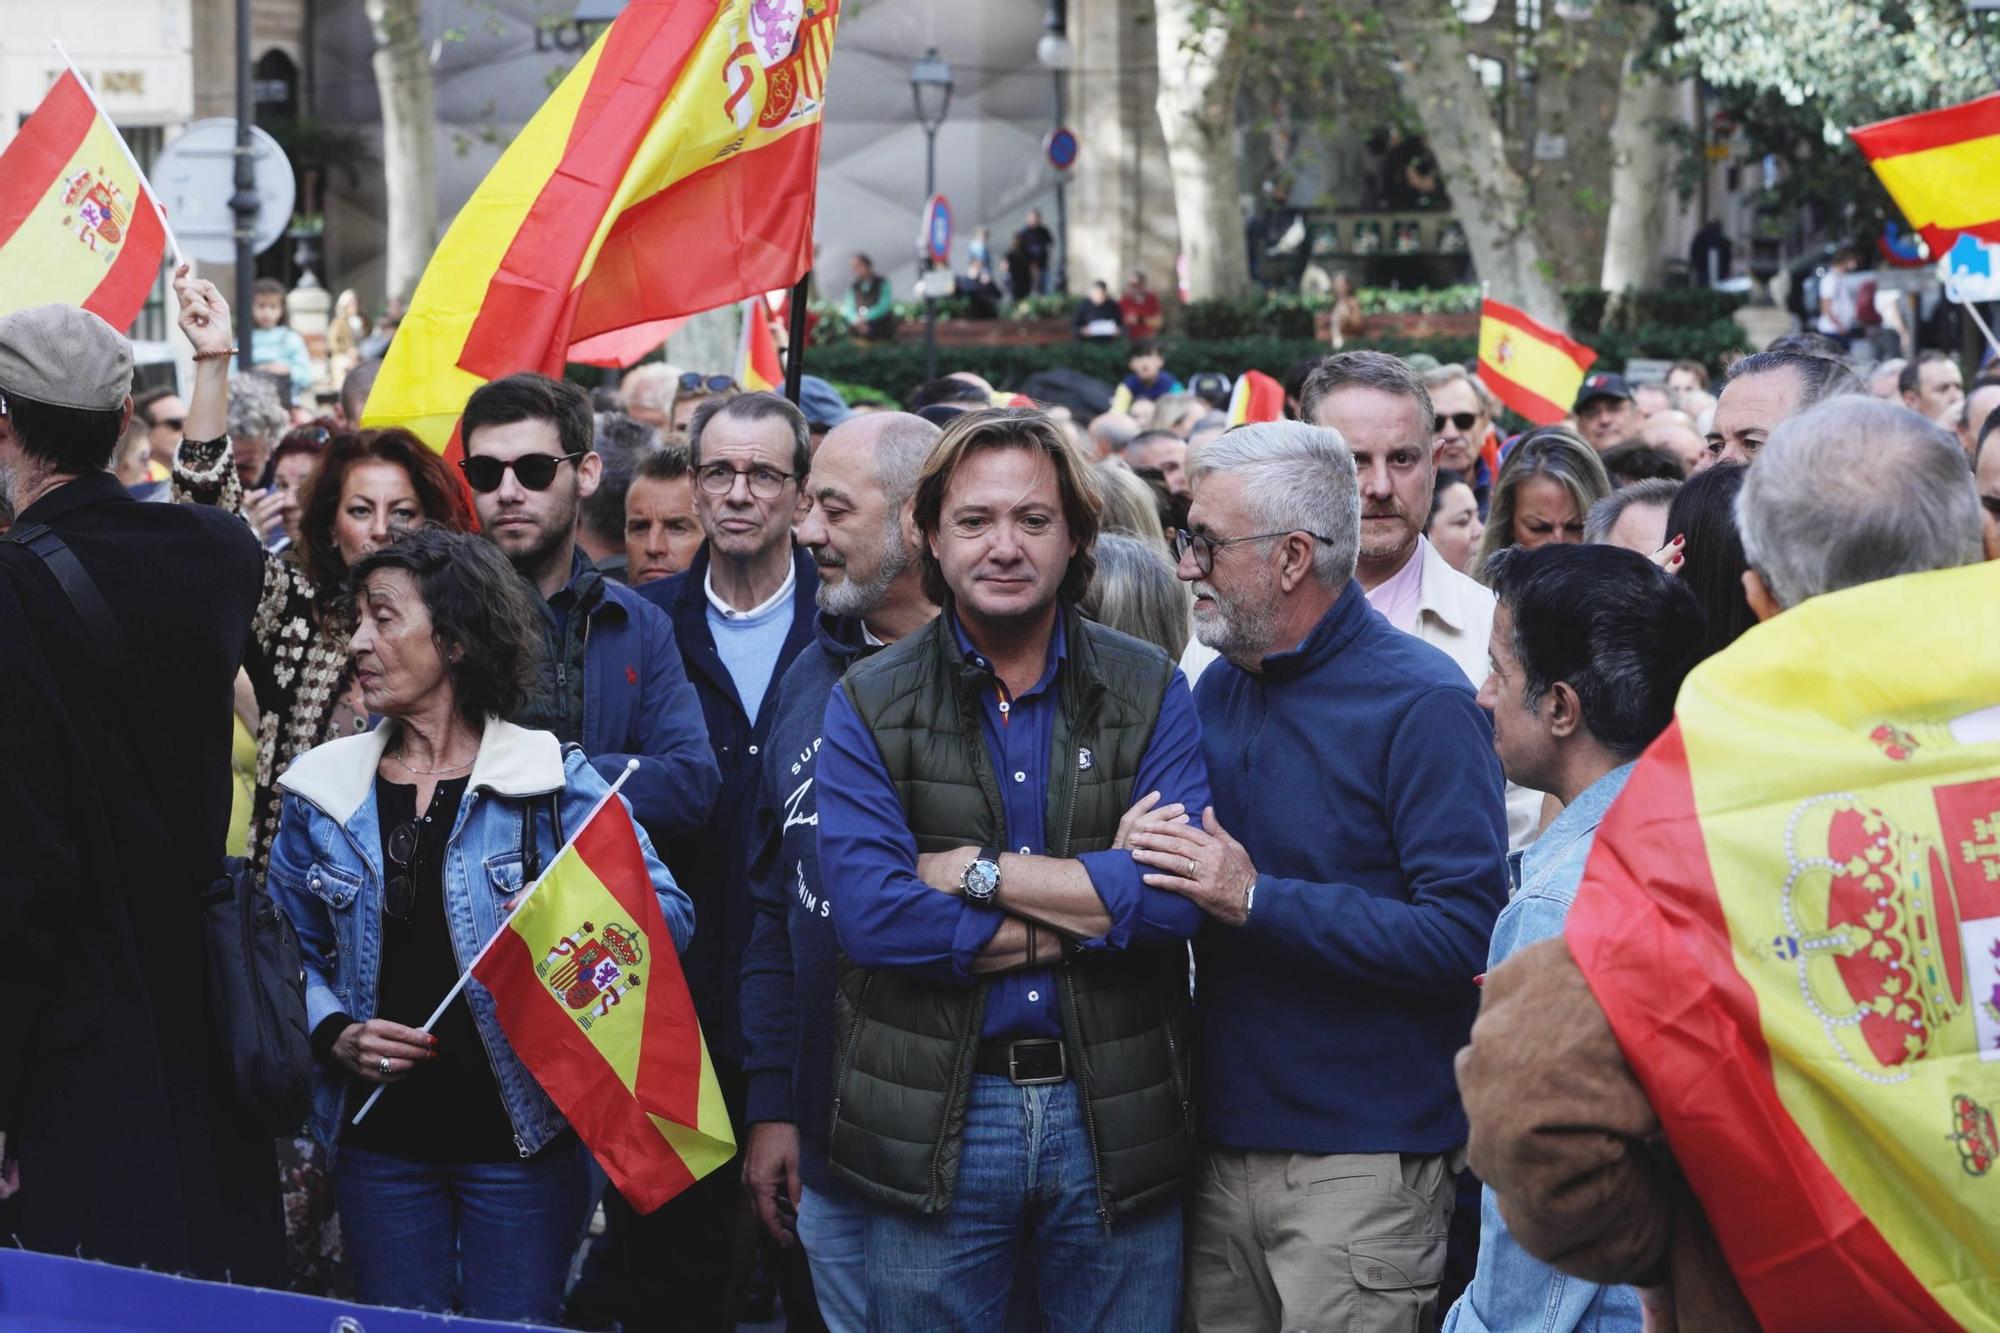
<point x="693" y="381"/>
<point x="1462" y="420"/>
<point x="484" y="473"/>
<point x="171" y="423"/>
<point x="400" y="892"/>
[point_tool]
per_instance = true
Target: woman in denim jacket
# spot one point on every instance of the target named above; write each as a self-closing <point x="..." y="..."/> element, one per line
<point x="399" y="853"/>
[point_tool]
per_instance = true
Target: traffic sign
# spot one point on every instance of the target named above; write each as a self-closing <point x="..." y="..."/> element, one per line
<point x="195" y="176"/>
<point x="1060" y="145"/>
<point x="937" y="229"/>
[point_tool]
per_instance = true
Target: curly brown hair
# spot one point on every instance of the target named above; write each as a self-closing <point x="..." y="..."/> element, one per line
<point x="1012" y="428"/>
<point x="438" y="492"/>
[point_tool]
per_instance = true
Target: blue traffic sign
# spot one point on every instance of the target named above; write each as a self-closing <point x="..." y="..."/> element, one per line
<point x="937" y="229"/>
<point x="1061" y="148"/>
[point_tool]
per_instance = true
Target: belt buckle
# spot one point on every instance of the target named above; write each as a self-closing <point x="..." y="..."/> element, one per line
<point x="1014" y="1063"/>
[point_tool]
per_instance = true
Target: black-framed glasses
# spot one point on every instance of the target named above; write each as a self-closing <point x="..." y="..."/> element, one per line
<point x="1463" y="420"/>
<point x="484" y="473"/>
<point x="171" y="423"/>
<point x="766" y="483"/>
<point x="400" y="893"/>
<point x="1205" y="546"/>
<point x="693" y="381"/>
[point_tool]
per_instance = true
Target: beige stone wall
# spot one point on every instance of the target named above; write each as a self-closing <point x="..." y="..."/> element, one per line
<point x="1121" y="203"/>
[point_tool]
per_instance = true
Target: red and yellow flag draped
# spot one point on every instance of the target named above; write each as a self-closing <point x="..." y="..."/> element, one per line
<point x="757" y="364"/>
<point x="672" y="172"/>
<point x="589" y="990"/>
<point x="1792" y="920"/>
<point x="1529" y="366"/>
<point x="77" y="225"/>
<point x="1942" y="168"/>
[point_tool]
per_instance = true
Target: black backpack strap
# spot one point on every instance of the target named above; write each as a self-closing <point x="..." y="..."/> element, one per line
<point x="98" y="622"/>
<point x="531" y="852"/>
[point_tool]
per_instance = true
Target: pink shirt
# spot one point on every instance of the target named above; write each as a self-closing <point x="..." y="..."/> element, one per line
<point x="1398" y="597"/>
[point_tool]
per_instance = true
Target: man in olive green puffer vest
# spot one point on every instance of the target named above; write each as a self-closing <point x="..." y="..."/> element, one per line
<point x="1011" y="1079"/>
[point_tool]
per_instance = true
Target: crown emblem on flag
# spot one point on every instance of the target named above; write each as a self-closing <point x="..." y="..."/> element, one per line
<point x="593" y="969"/>
<point x="1896" y="743"/>
<point x="1505" y="351"/>
<point x="99" y="210"/>
<point x="1972" y="1131"/>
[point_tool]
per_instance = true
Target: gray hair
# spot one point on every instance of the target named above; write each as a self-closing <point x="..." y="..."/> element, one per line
<point x="754" y="407"/>
<point x="1820" y="377"/>
<point x="1451" y="373"/>
<point x="652" y="385"/>
<point x="1852" y="491"/>
<point x="1604" y="515"/>
<point x="619" y="443"/>
<point x="1136" y="592"/>
<point x="1296" y="478"/>
<point x="1367" y="370"/>
<point x="255" y="412"/>
<point x="1113" y="431"/>
<point x="902" y="444"/>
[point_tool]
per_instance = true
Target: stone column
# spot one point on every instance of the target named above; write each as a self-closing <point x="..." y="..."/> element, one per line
<point x="1121" y="203"/>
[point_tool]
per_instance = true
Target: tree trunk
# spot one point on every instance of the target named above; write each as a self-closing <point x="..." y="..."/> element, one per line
<point x="1489" y="197"/>
<point x="1640" y="179"/>
<point x="709" y="342"/>
<point x="1197" y="111"/>
<point x="409" y="138"/>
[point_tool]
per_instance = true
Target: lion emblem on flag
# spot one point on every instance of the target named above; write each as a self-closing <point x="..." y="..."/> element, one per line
<point x="592" y="969"/>
<point x="98" y="210"/>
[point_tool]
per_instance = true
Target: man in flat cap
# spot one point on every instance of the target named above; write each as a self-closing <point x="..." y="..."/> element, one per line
<point x="121" y="1139"/>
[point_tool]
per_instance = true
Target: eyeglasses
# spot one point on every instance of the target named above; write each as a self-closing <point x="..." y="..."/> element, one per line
<point x="171" y="423"/>
<point x="484" y="473"/>
<point x="1463" y="420"/>
<point x="1205" y="546"/>
<point x="400" y="892"/>
<point x="693" y="381"/>
<point x="720" y="479"/>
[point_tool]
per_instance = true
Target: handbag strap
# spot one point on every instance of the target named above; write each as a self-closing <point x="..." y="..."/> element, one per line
<point x="98" y="623"/>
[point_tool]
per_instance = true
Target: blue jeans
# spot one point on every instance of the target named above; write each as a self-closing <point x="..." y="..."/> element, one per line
<point x="499" y="1236"/>
<point x="1025" y="1201"/>
<point x="833" y="1230"/>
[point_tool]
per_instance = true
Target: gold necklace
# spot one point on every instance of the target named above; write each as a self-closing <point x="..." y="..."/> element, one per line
<point x="408" y="767"/>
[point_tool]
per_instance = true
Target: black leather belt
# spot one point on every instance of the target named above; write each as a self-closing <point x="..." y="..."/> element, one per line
<point x="1026" y="1062"/>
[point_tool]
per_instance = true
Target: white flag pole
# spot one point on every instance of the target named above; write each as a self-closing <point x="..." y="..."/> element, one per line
<point x="1972" y="308"/>
<point x="631" y="767"/>
<point x="152" y="197"/>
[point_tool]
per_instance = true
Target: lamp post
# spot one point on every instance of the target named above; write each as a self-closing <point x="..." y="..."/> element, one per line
<point x="930" y="89"/>
<point x="1054" y="53"/>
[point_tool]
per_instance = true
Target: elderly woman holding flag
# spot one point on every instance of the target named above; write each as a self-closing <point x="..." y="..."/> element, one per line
<point x="400" y="855"/>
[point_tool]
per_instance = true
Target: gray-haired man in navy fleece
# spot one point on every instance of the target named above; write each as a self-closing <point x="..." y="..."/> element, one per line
<point x="1351" y="872"/>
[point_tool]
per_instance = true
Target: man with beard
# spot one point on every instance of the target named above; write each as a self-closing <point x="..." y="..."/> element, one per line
<point x="612" y="679"/>
<point x="862" y="534"/>
<point x="743" y="611"/>
<point x="1354" y="868"/>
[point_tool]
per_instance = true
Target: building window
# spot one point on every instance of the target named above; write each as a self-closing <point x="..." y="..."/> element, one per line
<point x="155" y="317"/>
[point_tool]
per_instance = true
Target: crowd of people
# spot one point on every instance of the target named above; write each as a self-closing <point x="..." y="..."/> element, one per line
<point x="1183" y="784"/>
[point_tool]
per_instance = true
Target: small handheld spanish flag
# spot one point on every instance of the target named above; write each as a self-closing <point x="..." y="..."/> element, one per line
<point x="1942" y="168"/>
<point x="1528" y="365"/>
<point x="757" y="364"/>
<point x="1257" y="397"/>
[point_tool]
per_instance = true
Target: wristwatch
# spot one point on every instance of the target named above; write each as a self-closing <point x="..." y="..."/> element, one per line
<point x="981" y="883"/>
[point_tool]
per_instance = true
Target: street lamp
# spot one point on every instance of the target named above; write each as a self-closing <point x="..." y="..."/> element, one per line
<point x="1054" y="53"/>
<point x="930" y="90"/>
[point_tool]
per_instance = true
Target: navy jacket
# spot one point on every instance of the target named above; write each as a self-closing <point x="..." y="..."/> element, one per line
<point x="1359" y="774"/>
<point x="789" y="967"/>
<point x="712" y="863"/>
<point x="638" y="703"/>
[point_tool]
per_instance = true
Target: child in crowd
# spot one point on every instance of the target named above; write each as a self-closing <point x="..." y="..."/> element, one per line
<point x="1149" y="379"/>
<point x="275" y="348"/>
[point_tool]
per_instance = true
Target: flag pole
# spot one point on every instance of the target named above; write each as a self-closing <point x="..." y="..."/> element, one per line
<point x="795" y="339"/>
<point x="631" y="767"/>
<point x="1972" y="308"/>
<point x="152" y="196"/>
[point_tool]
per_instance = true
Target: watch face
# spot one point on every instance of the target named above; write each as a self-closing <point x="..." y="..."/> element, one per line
<point x="982" y="879"/>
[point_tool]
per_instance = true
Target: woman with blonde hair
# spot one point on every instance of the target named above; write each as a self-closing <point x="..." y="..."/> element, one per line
<point x="1546" y="486"/>
<point x="1129" y="503"/>
<point x="1136" y="591"/>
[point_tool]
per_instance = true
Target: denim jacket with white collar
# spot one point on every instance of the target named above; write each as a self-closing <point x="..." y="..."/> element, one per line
<point x="327" y="875"/>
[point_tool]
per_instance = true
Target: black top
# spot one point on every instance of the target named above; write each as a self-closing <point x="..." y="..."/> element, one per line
<point x="448" y="1109"/>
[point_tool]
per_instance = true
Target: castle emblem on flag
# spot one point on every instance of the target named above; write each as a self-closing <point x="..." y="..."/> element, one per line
<point x="591" y="970"/>
<point x="98" y="211"/>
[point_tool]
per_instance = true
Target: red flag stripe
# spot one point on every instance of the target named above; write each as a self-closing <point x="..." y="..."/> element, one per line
<point x="44" y="146"/>
<point x="1525" y="401"/>
<point x="1534" y="328"/>
<point x="583" y="1086"/>
<point x="119" y="298"/>
<point x="1976" y="119"/>
<point x="1649" y="934"/>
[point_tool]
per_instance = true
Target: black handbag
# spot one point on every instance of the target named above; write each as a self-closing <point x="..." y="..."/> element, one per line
<point x="256" y="979"/>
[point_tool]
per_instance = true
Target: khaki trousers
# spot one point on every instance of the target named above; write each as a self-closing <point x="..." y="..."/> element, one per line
<point x="1283" y="1241"/>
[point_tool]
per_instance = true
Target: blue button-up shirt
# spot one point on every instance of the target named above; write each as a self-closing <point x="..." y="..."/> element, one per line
<point x="889" y="918"/>
<point x="1513" y="1292"/>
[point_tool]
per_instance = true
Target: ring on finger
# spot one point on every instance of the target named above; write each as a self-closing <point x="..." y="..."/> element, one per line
<point x="383" y="1065"/>
<point x="1190" y="869"/>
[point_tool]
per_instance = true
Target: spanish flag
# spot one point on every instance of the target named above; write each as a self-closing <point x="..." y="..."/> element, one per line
<point x="588" y="988"/>
<point x="78" y="225"/>
<point x="757" y="365"/>
<point x="1942" y="168"/>
<point x="1256" y="397"/>
<point x="1528" y="365"/>
<point x="1792" y="919"/>
<point x="673" y="171"/>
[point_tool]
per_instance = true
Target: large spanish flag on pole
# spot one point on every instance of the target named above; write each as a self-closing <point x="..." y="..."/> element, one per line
<point x="78" y="223"/>
<point x="1529" y="366"/>
<point x="588" y="986"/>
<point x="672" y="172"/>
<point x="1942" y="168"/>
<point x="1792" y="920"/>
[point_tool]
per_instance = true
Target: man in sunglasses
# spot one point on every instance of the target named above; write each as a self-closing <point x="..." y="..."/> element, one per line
<point x="612" y="679"/>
